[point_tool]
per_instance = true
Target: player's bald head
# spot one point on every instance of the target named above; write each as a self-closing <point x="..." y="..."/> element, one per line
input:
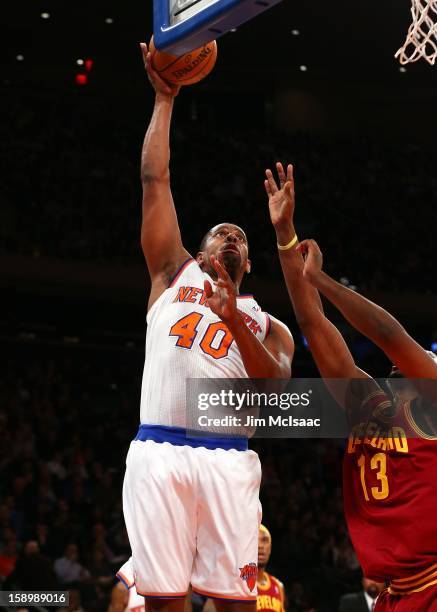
<point x="264" y="546"/>
<point x="265" y="533"/>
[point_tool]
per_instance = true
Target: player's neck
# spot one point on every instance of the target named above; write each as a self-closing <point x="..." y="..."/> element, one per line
<point x="236" y="283"/>
<point x="236" y="275"/>
<point x="262" y="575"/>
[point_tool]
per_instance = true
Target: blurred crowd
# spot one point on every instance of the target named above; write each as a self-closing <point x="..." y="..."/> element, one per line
<point x="66" y="419"/>
<point x="64" y="429"/>
<point x="71" y="189"/>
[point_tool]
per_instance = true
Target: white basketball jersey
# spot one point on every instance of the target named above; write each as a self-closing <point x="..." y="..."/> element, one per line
<point x="185" y="339"/>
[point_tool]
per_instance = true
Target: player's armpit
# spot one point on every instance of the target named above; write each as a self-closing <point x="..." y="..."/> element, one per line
<point x="365" y="399"/>
<point x="415" y="363"/>
<point x="280" y="345"/>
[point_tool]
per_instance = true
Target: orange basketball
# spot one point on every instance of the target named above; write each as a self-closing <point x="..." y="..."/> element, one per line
<point x="186" y="69"/>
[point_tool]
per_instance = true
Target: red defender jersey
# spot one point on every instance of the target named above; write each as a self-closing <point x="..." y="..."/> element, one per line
<point x="390" y="492"/>
<point x="270" y="595"/>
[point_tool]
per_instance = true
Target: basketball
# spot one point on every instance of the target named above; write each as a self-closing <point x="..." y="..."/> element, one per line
<point x="187" y="69"/>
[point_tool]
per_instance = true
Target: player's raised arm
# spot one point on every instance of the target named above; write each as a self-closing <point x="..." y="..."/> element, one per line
<point x="370" y="319"/>
<point x="327" y="345"/>
<point x="160" y="235"/>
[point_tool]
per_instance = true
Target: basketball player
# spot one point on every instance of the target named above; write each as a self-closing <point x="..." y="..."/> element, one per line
<point x="390" y="493"/>
<point x="191" y="504"/>
<point x="271" y="596"/>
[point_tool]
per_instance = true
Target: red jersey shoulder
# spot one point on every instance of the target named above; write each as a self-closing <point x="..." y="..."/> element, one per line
<point x="270" y="595"/>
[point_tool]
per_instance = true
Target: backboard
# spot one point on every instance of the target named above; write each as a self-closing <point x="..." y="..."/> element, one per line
<point x="183" y="25"/>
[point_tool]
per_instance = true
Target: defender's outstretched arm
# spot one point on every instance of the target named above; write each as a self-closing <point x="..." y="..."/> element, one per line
<point x="369" y="319"/>
<point x="329" y="350"/>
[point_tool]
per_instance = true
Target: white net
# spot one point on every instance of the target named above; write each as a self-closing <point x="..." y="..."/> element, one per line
<point x="421" y="39"/>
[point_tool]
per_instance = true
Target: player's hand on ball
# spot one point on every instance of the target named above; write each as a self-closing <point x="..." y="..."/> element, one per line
<point x="281" y="196"/>
<point x="222" y="301"/>
<point x="158" y="84"/>
<point x="313" y="259"/>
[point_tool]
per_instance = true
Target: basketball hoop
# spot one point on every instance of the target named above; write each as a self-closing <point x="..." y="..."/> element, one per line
<point x="421" y="39"/>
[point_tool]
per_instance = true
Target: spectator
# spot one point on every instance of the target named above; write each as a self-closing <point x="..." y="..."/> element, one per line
<point x="8" y="559"/>
<point x="99" y="568"/>
<point x="33" y="571"/>
<point x="41" y="537"/>
<point x="364" y="601"/>
<point x="68" y="569"/>
<point x="100" y="543"/>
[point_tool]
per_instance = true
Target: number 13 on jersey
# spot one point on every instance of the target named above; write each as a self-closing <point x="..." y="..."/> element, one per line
<point x="378" y="465"/>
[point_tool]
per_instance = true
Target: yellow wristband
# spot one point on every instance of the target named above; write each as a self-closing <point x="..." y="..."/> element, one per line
<point x="291" y="244"/>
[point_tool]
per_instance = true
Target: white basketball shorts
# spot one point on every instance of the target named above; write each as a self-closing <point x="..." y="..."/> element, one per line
<point x="192" y="516"/>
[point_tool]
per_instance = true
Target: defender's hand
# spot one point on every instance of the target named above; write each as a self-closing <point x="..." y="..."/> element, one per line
<point x="222" y="301"/>
<point x="281" y="198"/>
<point x="313" y="259"/>
<point x="158" y="84"/>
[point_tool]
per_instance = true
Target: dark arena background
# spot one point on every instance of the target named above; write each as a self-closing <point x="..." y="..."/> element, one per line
<point x="314" y="84"/>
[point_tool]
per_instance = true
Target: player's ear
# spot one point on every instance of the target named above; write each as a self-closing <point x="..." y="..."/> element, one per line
<point x="200" y="258"/>
<point x="248" y="266"/>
